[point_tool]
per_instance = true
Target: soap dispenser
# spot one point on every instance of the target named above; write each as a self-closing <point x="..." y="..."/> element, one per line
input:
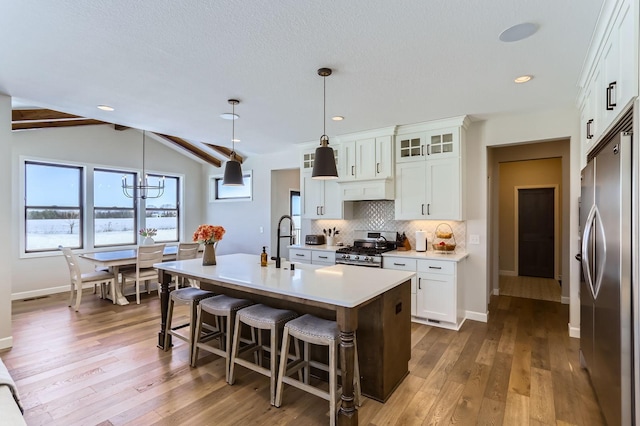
<point x="263" y="256"/>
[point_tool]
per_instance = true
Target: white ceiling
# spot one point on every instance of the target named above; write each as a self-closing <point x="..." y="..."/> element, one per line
<point x="170" y="66"/>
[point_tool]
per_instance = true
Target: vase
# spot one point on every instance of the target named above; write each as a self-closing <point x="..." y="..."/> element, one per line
<point x="209" y="255"/>
<point x="148" y="241"/>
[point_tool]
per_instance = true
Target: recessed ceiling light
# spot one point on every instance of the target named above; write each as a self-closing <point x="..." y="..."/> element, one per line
<point x="229" y="116"/>
<point x="106" y="108"/>
<point x="235" y="140"/>
<point x="337" y="118"/>
<point x="518" y="32"/>
<point x="523" y="79"/>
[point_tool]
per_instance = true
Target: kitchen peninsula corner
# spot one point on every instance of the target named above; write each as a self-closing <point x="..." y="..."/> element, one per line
<point x="376" y="302"/>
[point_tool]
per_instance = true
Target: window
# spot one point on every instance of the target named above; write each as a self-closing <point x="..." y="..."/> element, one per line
<point x="296" y="213"/>
<point x="114" y="214"/>
<point x="163" y="213"/>
<point x="53" y="206"/>
<point x="218" y="192"/>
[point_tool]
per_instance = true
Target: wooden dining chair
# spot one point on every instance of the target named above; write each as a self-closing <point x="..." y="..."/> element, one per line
<point x="89" y="279"/>
<point x="147" y="257"/>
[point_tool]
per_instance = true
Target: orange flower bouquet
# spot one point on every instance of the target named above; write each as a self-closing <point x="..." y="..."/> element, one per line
<point x="208" y="234"/>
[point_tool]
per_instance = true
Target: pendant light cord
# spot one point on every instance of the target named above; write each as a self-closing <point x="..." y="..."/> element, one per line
<point x="233" y="130"/>
<point x="324" y="105"/>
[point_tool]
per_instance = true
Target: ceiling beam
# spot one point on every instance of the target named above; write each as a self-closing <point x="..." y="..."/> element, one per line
<point x="192" y="149"/>
<point x="27" y="125"/>
<point x="226" y="152"/>
<point x="41" y="115"/>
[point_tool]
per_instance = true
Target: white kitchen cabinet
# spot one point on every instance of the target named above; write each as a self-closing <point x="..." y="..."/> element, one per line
<point x="367" y="158"/>
<point x="436" y="296"/>
<point x="320" y="198"/>
<point x="442" y="143"/>
<point x="429" y="190"/>
<point x="313" y="257"/>
<point x="410" y="147"/>
<point x="300" y="255"/>
<point x="610" y="80"/>
<point x="403" y="264"/>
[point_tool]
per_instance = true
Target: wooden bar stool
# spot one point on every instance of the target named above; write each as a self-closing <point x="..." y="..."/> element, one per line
<point x="316" y="331"/>
<point x="224" y="309"/>
<point x="259" y="317"/>
<point x="190" y="296"/>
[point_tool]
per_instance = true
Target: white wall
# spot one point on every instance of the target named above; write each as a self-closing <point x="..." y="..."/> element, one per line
<point x="282" y="182"/>
<point x="100" y="146"/>
<point x="482" y="266"/>
<point x="6" y="249"/>
<point x="242" y="219"/>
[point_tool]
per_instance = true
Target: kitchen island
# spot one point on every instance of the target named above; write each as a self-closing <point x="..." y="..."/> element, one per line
<point x="374" y="301"/>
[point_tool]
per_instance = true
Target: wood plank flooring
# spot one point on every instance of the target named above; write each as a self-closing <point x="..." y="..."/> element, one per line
<point x="100" y="366"/>
<point x="531" y="288"/>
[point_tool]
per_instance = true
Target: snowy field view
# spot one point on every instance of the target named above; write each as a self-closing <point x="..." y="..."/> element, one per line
<point x="50" y="233"/>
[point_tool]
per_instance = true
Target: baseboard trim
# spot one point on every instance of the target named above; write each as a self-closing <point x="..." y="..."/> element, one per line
<point x="39" y="293"/>
<point x="574" y="331"/>
<point x="496" y="292"/>
<point x="476" y="316"/>
<point x="508" y="273"/>
<point x="6" y="342"/>
<point x="565" y="300"/>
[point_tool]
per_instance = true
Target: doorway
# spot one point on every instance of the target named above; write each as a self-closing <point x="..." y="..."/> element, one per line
<point x="536" y="232"/>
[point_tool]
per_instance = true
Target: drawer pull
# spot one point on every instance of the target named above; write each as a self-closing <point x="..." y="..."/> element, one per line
<point x="298" y="254"/>
<point x="399" y="264"/>
<point x="323" y="257"/>
<point x="435" y="267"/>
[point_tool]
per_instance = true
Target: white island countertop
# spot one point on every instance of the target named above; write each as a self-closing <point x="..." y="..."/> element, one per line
<point x="339" y="285"/>
<point x="429" y="254"/>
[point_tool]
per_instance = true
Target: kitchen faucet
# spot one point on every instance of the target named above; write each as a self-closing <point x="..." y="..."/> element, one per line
<point x="290" y="236"/>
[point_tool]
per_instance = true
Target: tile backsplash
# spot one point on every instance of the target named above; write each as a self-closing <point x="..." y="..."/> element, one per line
<point x="378" y="216"/>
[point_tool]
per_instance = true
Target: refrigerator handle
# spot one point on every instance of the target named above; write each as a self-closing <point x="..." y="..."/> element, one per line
<point x="584" y="253"/>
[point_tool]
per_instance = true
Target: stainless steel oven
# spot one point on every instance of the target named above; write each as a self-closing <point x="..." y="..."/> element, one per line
<point x="367" y="250"/>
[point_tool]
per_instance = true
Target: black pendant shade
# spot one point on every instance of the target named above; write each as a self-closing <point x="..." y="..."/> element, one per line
<point x="233" y="169"/>
<point x="324" y="163"/>
<point x="232" y="174"/>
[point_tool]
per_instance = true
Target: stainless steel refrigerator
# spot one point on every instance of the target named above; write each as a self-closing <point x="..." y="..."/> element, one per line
<point x="605" y="288"/>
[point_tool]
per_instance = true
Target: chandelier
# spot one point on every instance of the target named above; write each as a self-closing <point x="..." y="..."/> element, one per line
<point x="143" y="189"/>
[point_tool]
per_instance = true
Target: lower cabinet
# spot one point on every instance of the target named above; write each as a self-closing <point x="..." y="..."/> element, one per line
<point x="435" y="294"/>
<point x="313" y="257"/>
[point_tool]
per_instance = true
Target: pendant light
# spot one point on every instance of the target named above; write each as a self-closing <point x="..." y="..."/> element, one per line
<point x="232" y="169"/>
<point x="143" y="190"/>
<point x="324" y="163"/>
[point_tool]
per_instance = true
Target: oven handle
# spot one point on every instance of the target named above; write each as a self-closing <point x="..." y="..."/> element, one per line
<point x="369" y="265"/>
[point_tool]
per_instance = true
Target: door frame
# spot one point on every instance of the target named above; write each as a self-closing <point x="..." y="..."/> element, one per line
<point x="556" y="223"/>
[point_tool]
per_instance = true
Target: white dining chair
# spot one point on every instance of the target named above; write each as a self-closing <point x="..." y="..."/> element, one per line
<point x="89" y="279"/>
<point x="144" y="271"/>
<point x="185" y="251"/>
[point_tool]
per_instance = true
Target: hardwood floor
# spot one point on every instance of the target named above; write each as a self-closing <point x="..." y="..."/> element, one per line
<point x="100" y="366"/>
<point x="531" y="288"/>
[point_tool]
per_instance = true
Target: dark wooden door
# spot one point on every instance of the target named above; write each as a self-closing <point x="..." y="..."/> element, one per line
<point x="536" y="232"/>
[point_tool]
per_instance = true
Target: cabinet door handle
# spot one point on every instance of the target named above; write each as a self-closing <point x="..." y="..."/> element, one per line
<point x="421" y="150"/>
<point x="353" y="170"/>
<point x="318" y="210"/>
<point x="419" y="283"/>
<point x="429" y="209"/>
<point x="610" y="88"/>
<point x="399" y="264"/>
<point x="422" y="210"/>
<point x="377" y="167"/>
<point x="322" y="210"/>
<point x="589" y="134"/>
<point x="428" y="149"/>
<point x="435" y="267"/>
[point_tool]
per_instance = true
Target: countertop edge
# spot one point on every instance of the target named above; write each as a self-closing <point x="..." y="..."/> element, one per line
<point x="412" y="254"/>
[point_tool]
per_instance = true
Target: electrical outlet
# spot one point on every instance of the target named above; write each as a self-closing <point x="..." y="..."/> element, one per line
<point x="262" y="229"/>
<point x="474" y="239"/>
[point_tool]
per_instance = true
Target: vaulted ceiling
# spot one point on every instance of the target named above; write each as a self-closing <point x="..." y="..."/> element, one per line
<point x="169" y="66"/>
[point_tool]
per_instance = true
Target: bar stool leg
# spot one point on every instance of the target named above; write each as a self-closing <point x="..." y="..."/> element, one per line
<point x="167" y="328"/>
<point x="235" y="350"/>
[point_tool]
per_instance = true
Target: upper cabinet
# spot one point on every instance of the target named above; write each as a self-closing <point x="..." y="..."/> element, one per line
<point x="609" y="79"/>
<point x="429" y="170"/>
<point x="320" y="198"/>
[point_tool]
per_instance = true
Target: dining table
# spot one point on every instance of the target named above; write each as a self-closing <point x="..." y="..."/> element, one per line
<point x="376" y="302"/>
<point x="115" y="259"/>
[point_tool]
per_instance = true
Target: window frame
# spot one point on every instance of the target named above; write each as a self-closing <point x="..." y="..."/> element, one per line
<point x="136" y="209"/>
<point x="213" y="188"/>
<point x="143" y="217"/>
<point x="81" y="207"/>
<point x="87" y="213"/>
